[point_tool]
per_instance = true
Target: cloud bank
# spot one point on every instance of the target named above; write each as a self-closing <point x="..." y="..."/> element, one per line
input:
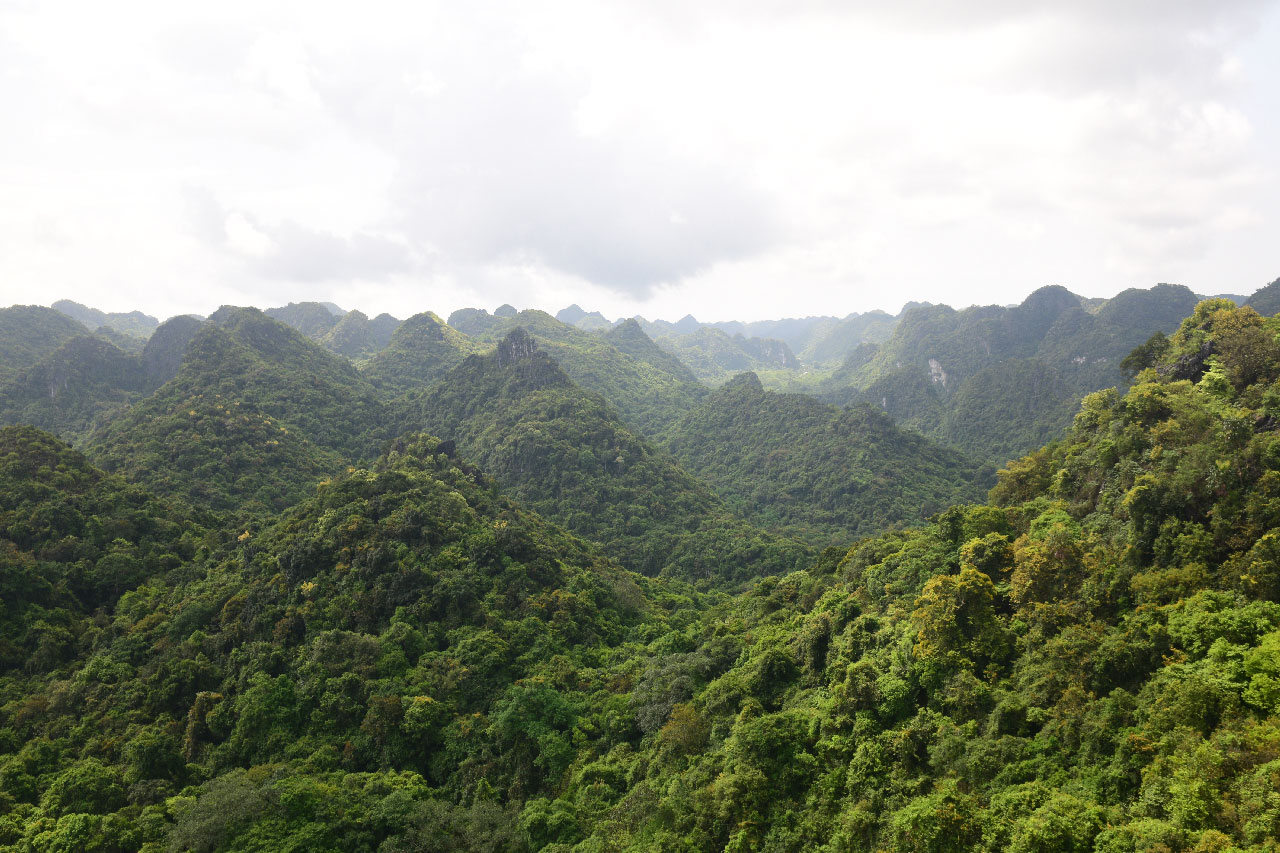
<point x="740" y="160"/>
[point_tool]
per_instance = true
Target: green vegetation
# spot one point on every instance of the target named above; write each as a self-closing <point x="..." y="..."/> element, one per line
<point x="167" y="346"/>
<point x="575" y="316"/>
<point x="255" y="416"/>
<point x="349" y="333"/>
<point x="648" y="387"/>
<point x="1266" y="300"/>
<point x="996" y="382"/>
<point x="133" y="324"/>
<point x="72" y="388"/>
<point x="313" y="319"/>
<point x="422" y="350"/>
<point x="346" y="677"/>
<point x="408" y="657"/>
<point x="72" y="540"/>
<point x="790" y="463"/>
<point x="714" y="356"/>
<point x="29" y="333"/>
<point x="627" y="337"/>
<point x="564" y="452"/>
<point x="472" y="321"/>
<point x="358" y="337"/>
<point x="842" y="338"/>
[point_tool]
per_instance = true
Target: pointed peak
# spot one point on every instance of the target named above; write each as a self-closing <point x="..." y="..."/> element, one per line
<point x="571" y="315"/>
<point x="686" y="324"/>
<point x="628" y="328"/>
<point x="423" y="320"/>
<point x="747" y="381"/>
<point x="518" y="345"/>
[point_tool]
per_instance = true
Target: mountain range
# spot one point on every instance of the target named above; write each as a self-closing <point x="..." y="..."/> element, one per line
<point x="296" y="579"/>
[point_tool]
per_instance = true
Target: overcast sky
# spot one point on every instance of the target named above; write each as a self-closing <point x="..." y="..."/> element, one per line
<point x="749" y="160"/>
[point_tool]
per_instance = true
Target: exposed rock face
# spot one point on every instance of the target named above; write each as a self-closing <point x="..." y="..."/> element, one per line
<point x="770" y="351"/>
<point x="516" y="346"/>
<point x="936" y="373"/>
<point x="1194" y="365"/>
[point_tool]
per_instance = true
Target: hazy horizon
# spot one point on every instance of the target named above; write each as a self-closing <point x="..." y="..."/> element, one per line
<point x="553" y="311"/>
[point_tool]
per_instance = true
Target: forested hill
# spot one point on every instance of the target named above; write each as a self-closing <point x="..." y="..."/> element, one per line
<point x="421" y="350"/>
<point x="828" y="475"/>
<point x="714" y="356"/>
<point x="254" y="417"/>
<point x="72" y="540"/>
<point x="627" y="337"/>
<point x="70" y="389"/>
<point x="564" y="451"/>
<point x="407" y="660"/>
<point x="1266" y="300"/>
<point x="133" y="324"/>
<point x="996" y="382"/>
<point x="644" y="384"/>
<point x="386" y="663"/>
<point x="29" y="333"/>
<point x="348" y="333"/>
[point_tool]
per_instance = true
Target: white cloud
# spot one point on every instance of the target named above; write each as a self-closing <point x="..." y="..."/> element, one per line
<point x="759" y="159"/>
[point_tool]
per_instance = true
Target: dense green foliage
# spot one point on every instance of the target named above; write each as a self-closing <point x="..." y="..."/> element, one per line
<point x="70" y="389"/>
<point x="842" y="338"/>
<point x="29" y="333"/>
<point x="72" y="539"/>
<point x="564" y="452"/>
<point x="1088" y="663"/>
<point x="351" y="333"/>
<point x="386" y="661"/>
<point x="473" y="322"/>
<point x="422" y="350"/>
<point x="1266" y="300"/>
<point x="791" y="463"/>
<point x="627" y="337"/>
<point x="167" y="347"/>
<point x="133" y="324"/>
<point x="647" y="387"/>
<point x="714" y="356"/>
<point x="576" y="317"/>
<point x="408" y="659"/>
<point x="313" y="319"/>
<point x="996" y="382"/>
<point x="256" y="414"/>
<point x="358" y="337"/>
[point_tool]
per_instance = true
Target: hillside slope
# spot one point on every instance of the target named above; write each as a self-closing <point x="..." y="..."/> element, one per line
<point x="351" y="675"/>
<point x="254" y="417"/>
<point x="647" y="386"/>
<point x="422" y="349"/>
<point x="407" y="660"/>
<point x="564" y="452"/>
<point x="29" y="333"/>
<point x="793" y="464"/>
<point x="996" y="382"/>
<point x="68" y="391"/>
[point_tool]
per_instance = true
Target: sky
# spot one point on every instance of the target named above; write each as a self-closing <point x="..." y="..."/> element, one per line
<point x="736" y="160"/>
